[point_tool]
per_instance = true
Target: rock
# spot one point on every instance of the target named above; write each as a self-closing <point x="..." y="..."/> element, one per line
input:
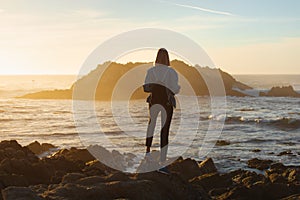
<point x="222" y="143"/>
<point x="66" y="175"/>
<point x="72" y="177"/>
<point x="73" y="191"/>
<point x="248" y="178"/>
<point x="176" y="187"/>
<point x="118" y="176"/>
<point x="91" y="181"/>
<point x="112" y="159"/>
<point x="283" y="153"/>
<point x="38" y="148"/>
<point x="276" y="178"/>
<point x="207" y="166"/>
<point x="7" y="180"/>
<point x="292" y="197"/>
<point x="284" y="91"/>
<point x="75" y="154"/>
<point x="188" y="168"/>
<point x="277" y="190"/>
<point x="19" y="193"/>
<point x="259" y="164"/>
<point x="256" y="150"/>
<point x="212" y="181"/>
<point x="294" y="175"/>
<point x="95" y="168"/>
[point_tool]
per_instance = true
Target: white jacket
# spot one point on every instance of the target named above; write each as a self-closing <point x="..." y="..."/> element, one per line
<point x="163" y="75"/>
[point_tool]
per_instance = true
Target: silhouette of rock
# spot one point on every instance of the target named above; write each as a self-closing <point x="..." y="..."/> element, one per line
<point x="49" y="94"/>
<point x="38" y="148"/>
<point x="284" y="91"/>
<point x="105" y="86"/>
<point x="259" y="164"/>
<point x="75" y="174"/>
<point x="284" y="153"/>
<point x="222" y="143"/>
<point x="18" y="193"/>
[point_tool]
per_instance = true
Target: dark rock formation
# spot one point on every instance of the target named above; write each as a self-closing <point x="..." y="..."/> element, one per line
<point x="284" y="91"/>
<point x="38" y="148"/>
<point x="259" y="164"/>
<point x="74" y="174"/>
<point x="222" y="143"/>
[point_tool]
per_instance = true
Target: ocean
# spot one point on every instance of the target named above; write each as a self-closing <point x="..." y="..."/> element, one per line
<point x="265" y="124"/>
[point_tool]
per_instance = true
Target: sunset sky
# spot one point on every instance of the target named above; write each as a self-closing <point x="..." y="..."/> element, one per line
<point x="242" y="37"/>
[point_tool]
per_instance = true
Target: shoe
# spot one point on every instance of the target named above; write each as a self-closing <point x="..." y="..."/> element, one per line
<point x="164" y="170"/>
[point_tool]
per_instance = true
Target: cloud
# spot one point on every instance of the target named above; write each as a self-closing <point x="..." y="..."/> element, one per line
<point x="201" y="9"/>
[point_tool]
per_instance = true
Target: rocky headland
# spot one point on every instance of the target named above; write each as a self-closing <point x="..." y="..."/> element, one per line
<point x="75" y="174"/>
<point x="284" y="91"/>
<point x="197" y="77"/>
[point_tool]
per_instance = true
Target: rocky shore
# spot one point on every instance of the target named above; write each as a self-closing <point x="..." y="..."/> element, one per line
<point x="75" y="174"/>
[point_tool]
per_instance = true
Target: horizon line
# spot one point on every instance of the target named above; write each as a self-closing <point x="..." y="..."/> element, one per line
<point x="50" y="74"/>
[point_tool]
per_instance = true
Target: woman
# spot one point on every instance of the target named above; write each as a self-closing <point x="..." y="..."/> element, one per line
<point x="162" y="82"/>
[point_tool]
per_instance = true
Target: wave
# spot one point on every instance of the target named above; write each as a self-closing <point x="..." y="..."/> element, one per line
<point x="6" y="120"/>
<point x="247" y="109"/>
<point x="284" y="123"/>
<point x="61" y="112"/>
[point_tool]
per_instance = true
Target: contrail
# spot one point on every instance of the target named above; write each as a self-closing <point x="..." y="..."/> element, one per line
<point x="199" y="8"/>
<point x="204" y="9"/>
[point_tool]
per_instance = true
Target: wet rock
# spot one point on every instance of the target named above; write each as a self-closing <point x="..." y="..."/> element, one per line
<point x="7" y="180"/>
<point x="292" y="197"/>
<point x="75" y="154"/>
<point x="91" y="180"/>
<point x="38" y="148"/>
<point x="112" y="159"/>
<point x="19" y="193"/>
<point x="294" y="175"/>
<point x="284" y="153"/>
<point x="248" y="178"/>
<point x="173" y="184"/>
<point x="259" y="164"/>
<point x="95" y="167"/>
<point x="222" y="143"/>
<point x="207" y="166"/>
<point x="276" y="178"/>
<point x="256" y="150"/>
<point x="66" y="175"/>
<point x="72" y="177"/>
<point x="189" y="168"/>
<point x="212" y="181"/>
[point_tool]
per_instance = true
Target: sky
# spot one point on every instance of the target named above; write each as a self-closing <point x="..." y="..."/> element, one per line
<point x="241" y="37"/>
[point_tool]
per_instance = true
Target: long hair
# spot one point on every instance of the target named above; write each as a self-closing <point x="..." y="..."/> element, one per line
<point x="162" y="57"/>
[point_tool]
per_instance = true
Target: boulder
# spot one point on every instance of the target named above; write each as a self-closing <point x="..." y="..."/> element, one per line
<point x="75" y="154"/>
<point x="189" y="168"/>
<point x="222" y="143"/>
<point x="38" y="148"/>
<point x="19" y="193"/>
<point x="284" y="153"/>
<point x="259" y="164"/>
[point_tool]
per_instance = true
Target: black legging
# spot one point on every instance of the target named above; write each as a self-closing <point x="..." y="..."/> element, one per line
<point x="166" y="117"/>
